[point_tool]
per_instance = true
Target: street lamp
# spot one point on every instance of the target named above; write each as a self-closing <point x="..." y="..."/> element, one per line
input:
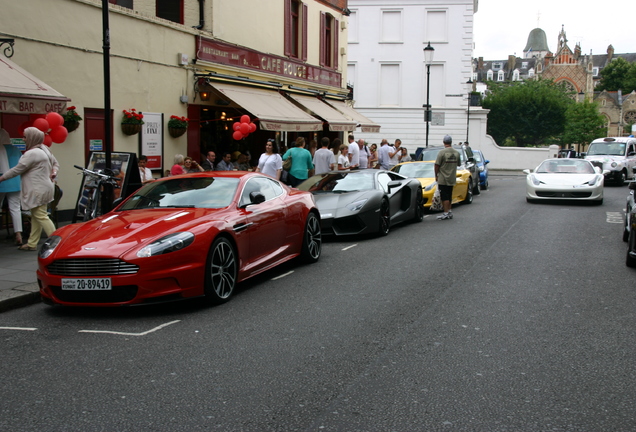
<point x="470" y="90"/>
<point x="428" y="59"/>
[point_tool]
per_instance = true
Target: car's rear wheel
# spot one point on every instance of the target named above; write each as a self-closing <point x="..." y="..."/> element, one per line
<point x="221" y="271"/>
<point x="419" y="206"/>
<point x="630" y="259"/>
<point x="476" y="190"/>
<point x="312" y="240"/>
<point x="469" y="193"/>
<point x="625" y="230"/>
<point x="485" y="186"/>
<point x="385" y="218"/>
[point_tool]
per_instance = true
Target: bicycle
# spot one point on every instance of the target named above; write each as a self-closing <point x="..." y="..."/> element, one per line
<point x="98" y="186"/>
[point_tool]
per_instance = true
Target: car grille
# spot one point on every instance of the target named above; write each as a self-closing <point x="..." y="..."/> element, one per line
<point x="91" y="267"/>
<point x="348" y="225"/>
<point x="118" y="294"/>
<point x="564" y="194"/>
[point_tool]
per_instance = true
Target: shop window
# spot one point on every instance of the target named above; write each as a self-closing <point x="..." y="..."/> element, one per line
<point x="296" y="29"/>
<point x="124" y="3"/>
<point x="171" y="10"/>
<point x="328" y="41"/>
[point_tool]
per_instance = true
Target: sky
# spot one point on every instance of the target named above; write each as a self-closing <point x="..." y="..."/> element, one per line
<point x="501" y="28"/>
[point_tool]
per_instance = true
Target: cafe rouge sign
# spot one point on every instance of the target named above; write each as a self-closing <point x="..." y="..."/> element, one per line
<point x="218" y="52"/>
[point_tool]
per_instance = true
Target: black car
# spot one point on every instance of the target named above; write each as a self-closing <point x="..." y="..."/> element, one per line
<point x="466" y="157"/>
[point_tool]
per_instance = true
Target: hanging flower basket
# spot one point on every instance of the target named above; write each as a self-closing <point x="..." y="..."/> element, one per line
<point x="71" y="119"/>
<point x="130" y="128"/>
<point x="176" y="132"/>
<point x="71" y="125"/>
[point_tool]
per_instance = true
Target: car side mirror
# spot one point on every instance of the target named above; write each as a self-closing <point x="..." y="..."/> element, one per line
<point x="486" y="162"/>
<point x="393" y="184"/>
<point x="526" y="171"/>
<point x="256" y="198"/>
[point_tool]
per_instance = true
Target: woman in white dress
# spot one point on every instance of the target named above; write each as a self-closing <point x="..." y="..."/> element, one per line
<point x="270" y="162"/>
<point x="343" y="158"/>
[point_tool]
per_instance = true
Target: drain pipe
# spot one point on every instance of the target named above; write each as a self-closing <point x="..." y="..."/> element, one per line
<point x="201" y="16"/>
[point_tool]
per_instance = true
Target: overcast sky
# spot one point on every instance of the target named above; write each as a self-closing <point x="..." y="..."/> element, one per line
<point x="501" y="28"/>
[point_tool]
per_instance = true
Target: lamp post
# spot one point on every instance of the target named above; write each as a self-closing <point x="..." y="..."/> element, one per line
<point x="428" y="59"/>
<point x="470" y="91"/>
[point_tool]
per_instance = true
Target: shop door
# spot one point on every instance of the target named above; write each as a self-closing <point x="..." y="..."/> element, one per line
<point x="94" y="132"/>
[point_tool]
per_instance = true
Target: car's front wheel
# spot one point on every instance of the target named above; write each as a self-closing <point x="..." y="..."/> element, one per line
<point x="221" y="271"/>
<point x="419" y="206"/>
<point x="469" y="193"/>
<point x="385" y="218"/>
<point x="312" y="240"/>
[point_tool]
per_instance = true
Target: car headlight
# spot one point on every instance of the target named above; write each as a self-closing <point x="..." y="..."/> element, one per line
<point x="481" y="169"/>
<point x="355" y="206"/>
<point x="593" y="181"/>
<point x="535" y="181"/>
<point x="431" y="186"/>
<point x="49" y="246"/>
<point x="167" y="244"/>
<point x="613" y="164"/>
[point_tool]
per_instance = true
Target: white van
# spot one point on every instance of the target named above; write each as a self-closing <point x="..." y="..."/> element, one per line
<point x="614" y="154"/>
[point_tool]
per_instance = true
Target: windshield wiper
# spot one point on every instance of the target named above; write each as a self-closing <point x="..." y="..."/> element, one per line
<point x="178" y="206"/>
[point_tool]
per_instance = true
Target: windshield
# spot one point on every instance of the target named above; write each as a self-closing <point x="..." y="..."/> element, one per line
<point x="430" y="154"/>
<point x="566" y="166"/>
<point x="417" y="169"/>
<point x="340" y="182"/>
<point x="611" y="149"/>
<point x="477" y="156"/>
<point x="197" y="192"/>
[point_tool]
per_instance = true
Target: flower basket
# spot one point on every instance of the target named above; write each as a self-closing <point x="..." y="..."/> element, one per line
<point x="71" y="119"/>
<point x="176" y="132"/>
<point x="71" y="125"/>
<point x="130" y="128"/>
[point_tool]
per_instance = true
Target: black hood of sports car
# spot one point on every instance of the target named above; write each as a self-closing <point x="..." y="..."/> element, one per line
<point x="334" y="204"/>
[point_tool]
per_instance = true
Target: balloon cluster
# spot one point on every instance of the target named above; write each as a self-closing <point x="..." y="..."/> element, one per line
<point x="243" y="128"/>
<point x="52" y="125"/>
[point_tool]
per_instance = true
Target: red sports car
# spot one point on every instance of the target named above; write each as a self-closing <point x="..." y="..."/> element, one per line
<point x="182" y="236"/>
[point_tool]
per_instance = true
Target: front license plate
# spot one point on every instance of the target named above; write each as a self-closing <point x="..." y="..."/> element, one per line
<point x="86" y="284"/>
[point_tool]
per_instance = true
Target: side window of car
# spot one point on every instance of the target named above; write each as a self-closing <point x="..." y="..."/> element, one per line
<point x="252" y="185"/>
<point x="276" y="187"/>
<point x="384" y="179"/>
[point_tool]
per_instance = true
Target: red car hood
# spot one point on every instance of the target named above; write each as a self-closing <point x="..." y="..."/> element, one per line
<point x="116" y="233"/>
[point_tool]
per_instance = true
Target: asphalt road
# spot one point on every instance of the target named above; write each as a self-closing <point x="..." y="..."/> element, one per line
<point x="510" y="317"/>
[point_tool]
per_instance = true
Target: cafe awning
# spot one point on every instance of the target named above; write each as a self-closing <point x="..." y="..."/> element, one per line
<point x="273" y="110"/>
<point x="337" y="121"/>
<point x="23" y="93"/>
<point x="365" y="124"/>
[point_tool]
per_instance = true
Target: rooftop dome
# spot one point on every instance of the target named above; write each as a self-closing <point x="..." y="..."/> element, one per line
<point x="537" y="41"/>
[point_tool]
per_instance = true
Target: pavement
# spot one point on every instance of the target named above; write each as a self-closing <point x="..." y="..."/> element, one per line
<point x="18" y="282"/>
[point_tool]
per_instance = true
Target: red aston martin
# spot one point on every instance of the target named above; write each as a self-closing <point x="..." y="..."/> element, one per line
<point x="179" y="237"/>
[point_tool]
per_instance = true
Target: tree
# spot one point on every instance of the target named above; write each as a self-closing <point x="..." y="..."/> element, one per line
<point x="528" y="112"/>
<point x="618" y="75"/>
<point x="583" y="124"/>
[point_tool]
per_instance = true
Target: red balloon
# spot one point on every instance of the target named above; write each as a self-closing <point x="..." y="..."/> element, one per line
<point x="245" y="118"/>
<point x="47" y="140"/>
<point x="252" y="127"/>
<point x="41" y="124"/>
<point x="54" y="119"/>
<point x="236" y="126"/>
<point x="245" y="128"/>
<point x="23" y="126"/>
<point x="237" y="135"/>
<point x="59" y="134"/>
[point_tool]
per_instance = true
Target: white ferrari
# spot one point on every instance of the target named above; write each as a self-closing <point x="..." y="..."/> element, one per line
<point x="565" y="179"/>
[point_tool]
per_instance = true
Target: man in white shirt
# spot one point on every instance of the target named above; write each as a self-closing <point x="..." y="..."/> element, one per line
<point x="394" y="153"/>
<point x="354" y="154"/>
<point x="144" y="172"/>
<point x="324" y="159"/>
<point x="365" y="154"/>
<point x="383" y="154"/>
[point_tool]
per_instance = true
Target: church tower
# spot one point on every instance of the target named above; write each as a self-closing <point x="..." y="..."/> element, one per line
<point x="537" y="46"/>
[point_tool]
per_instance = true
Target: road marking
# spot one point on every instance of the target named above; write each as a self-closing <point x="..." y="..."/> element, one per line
<point x="19" y="328"/>
<point x="614" y="217"/>
<point x="131" y="334"/>
<point x="349" y="247"/>
<point x="283" y="275"/>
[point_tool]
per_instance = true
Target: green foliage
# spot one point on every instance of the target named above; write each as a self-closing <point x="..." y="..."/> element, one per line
<point x="583" y="124"/>
<point x="528" y="112"/>
<point x="618" y="75"/>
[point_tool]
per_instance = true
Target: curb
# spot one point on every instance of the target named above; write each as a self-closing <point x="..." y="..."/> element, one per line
<point x="20" y="296"/>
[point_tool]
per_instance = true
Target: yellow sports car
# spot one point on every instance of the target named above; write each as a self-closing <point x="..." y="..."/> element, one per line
<point x="425" y="173"/>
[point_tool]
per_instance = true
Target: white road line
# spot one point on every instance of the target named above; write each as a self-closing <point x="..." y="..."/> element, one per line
<point x="130" y="334"/>
<point x="283" y="275"/>
<point x="349" y="247"/>
<point x="614" y="217"/>
<point x="19" y="328"/>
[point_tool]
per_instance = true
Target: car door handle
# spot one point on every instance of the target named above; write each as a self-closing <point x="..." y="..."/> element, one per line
<point x="241" y="227"/>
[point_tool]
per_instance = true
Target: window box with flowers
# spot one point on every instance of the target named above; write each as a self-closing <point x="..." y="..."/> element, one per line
<point x="177" y="126"/>
<point x="71" y="119"/>
<point x="131" y="122"/>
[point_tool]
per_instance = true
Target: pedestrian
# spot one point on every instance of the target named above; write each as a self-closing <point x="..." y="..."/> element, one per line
<point x="144" y="172"/>
<point x="446" y="164"/>
<point x="324" y="159"/>
<point x="10" y="189"/>
<point x="354" y="154"/>
<point x="226" y="162"/>
<point x="191" y="166"/>
<point x="394" y="153"/>
<point x="343" y="159"/>
<point x="302" y="166"/>
<point x="270" y="163"/>
<point x="365" y="155"/>
<point x="179" y="165"/>
<point x="241" y="163"/>
<point x="373" y="158"/>
<point x="404" y="155"/>
<point x="208" y="163"/>
<point x="38" y="169"/>
<point x="383" y="154"/>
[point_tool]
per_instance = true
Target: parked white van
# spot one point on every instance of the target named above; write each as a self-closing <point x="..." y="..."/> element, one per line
<point x="614" y="154"/>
